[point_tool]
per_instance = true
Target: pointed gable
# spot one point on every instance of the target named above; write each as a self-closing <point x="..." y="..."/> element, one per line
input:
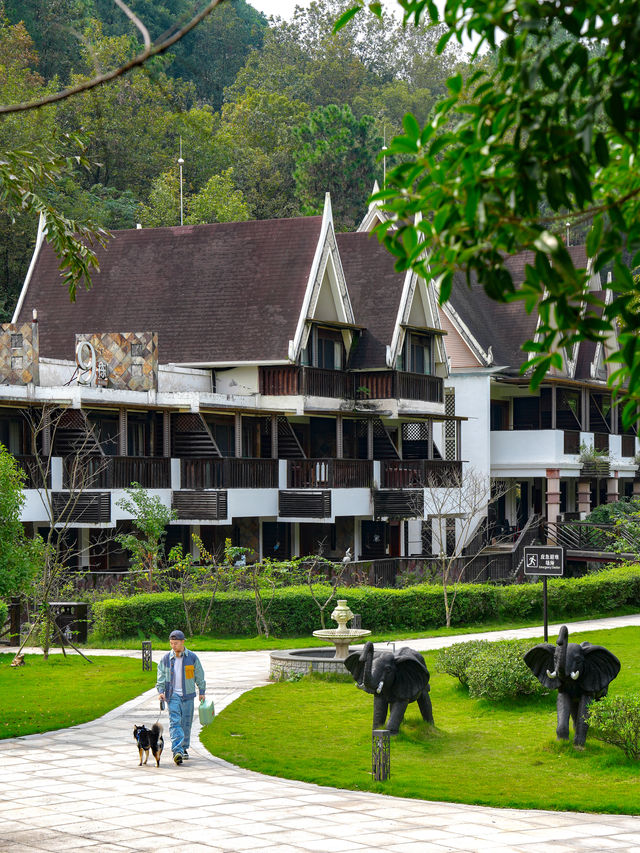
<point x="223" y="293"/>
<point x="326" y="298"/>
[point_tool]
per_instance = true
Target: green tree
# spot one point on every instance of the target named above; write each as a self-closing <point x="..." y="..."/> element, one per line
<point x="164" y="202"/>
<point x="150" y="518"/>
<point x="336" y="153"/>
<point x="218" y="201"/>
<point x="19" y="556"/>
<point x="550" y="125"/>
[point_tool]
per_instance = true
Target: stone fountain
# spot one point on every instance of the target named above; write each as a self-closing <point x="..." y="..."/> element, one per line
<point x="302" y="661"/>
<point x="341" y="636"/>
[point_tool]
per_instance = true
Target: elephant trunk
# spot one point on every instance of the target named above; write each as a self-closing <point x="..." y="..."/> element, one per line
<point x="367" y="656"/>
<point x="562" y="644"/>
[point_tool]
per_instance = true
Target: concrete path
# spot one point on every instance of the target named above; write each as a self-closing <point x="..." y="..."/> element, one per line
<point x="82" y="789"/>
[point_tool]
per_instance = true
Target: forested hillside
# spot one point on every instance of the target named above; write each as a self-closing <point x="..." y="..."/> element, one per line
<point x="271" y="114"/>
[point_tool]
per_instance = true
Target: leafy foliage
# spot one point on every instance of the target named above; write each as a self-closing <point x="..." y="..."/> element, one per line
<point x="498" y="672"/>
<point x="547" y="132"/>
<point x="19" y="556"/>
<point x="150" y="517"/>
<point x="336" y="154"/>
<point x="455" y="659"/>
<point x="616" y="720"/>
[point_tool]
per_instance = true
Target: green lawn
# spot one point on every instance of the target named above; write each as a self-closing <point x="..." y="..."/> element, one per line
<point x="45" y="695"/>
<point x="479" y="752"/>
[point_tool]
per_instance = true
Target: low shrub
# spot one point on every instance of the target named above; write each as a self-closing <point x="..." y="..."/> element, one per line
<point x="4" y="613"/>
<point x="293" y="611"/>
<point x="455" y="659"/>
<point x="499" y="672"/>
<point x="616" y="720"/>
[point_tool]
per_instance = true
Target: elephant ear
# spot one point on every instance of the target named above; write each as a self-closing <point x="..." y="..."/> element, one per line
<point x="539" y="659"/>
<point x="355" y="664"/>
<point x="412" y="675"/>
<point x="601" y="667"/>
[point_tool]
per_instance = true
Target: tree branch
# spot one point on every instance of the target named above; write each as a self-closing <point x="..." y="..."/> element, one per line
<point x="149" y="52"/>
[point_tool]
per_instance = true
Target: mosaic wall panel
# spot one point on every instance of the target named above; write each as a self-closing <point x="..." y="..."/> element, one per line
<point x="19" y="354"/>
<point x="125" y="359"/>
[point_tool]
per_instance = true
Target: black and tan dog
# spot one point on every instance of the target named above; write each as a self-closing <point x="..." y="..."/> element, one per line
<point x="149" y="739"/>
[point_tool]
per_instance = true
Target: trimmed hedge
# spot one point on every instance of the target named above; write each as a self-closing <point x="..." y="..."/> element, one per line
<point x="293" y="611"/>
<point x="4" y="613"/>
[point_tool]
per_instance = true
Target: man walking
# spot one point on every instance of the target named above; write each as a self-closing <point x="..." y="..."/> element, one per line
<point x="179" y="673"/>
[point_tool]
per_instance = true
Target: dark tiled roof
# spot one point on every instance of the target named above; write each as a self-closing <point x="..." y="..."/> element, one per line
<point x="224" y="292"/>
<point x="375" y="289"/>
<point x="502" y="326"/>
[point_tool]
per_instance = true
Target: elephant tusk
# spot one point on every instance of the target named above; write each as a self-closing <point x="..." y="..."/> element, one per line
<point x="553" y="674"/>
<point x="575" y="675"/>
<point x="379" y="688"/>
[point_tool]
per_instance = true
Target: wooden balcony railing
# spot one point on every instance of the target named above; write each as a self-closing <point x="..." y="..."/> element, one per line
<point x="33" y="479"/>
<point x="329" y="473"/>
<point x="291" y="380"/>
<point x="228" y="473"/>
<point x="118" y="472"/>
<point x="398" y="385"/>
<point x="628" y="445"/>
<point x="571" y="441"/>
<point x="424" y="473"/>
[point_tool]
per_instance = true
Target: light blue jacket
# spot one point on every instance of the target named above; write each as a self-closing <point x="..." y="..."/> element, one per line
<point x="192" y="675"/>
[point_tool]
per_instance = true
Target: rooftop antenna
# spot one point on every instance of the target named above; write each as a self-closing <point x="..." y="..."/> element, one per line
<point x="181" y="164"/>
<point x="384" y="156"/>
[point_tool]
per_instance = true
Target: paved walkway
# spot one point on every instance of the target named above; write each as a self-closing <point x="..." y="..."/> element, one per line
<point x="82" y="789"/>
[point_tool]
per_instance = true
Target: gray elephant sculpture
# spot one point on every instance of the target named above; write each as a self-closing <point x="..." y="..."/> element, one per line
<point x="394" y="679"/>
<point x="581" y="673"/>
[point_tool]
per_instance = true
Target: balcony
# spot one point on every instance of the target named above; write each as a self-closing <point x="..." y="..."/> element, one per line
<point x="117" y="472"/>
<point x="425" y="473"/>
<point x="200" y="504"/>
<point x="291" y="380"/>
<point x="84" y="508"/>
<point x="305" y="504"/>
<point x="228" y="473"/>
<point x="398" y="504"/>
<point x="33" y="478"/>
<point x="329" y="473"/>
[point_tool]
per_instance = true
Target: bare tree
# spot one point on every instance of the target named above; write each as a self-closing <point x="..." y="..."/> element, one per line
<point x="458" y="506"/>
<point x="82" y="468"/>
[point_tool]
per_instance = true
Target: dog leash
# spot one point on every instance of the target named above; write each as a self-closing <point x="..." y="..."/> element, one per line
<point x="162" y="705"/>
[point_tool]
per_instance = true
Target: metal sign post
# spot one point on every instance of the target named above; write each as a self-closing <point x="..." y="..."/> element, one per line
<point x="544" y="561"/>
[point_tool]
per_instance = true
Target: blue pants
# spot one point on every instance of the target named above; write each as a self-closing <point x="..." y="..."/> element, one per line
<point x="180" y="720"/>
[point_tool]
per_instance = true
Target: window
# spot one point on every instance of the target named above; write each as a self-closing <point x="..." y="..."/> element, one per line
<point x="16" y="341"/>
<point x="324" y="349"/>
<point x="417" y="354"/>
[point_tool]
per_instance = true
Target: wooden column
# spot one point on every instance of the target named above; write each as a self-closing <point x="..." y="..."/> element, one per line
<point x="339" y="438"/>
<point x="238" y="435"/>
<point x="553" y="495"/>
<point x="122" y="432"/>
<point x="274" y="436"/>
<point x="166" y="434"/>
<point x="370" y="439"/>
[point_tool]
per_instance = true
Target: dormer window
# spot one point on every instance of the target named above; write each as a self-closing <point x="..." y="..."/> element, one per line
<point x="417" y="354"/>
<point x="325" y="349"/>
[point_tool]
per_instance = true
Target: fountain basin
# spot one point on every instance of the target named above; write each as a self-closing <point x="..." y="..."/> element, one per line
<point x="303" y="661"/>
<point x="341" y="638"/>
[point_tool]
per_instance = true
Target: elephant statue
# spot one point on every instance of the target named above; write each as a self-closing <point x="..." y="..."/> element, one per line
<point x="394" y="679"/>
<point x="580" y="673"/>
